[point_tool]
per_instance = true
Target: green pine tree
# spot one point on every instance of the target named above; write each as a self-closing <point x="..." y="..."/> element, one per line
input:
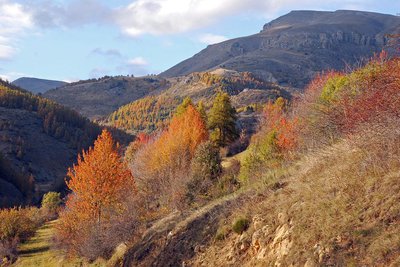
<point x="183" y="106"/>
<point x="222" y="120"/>
<point x="202" y="110"/>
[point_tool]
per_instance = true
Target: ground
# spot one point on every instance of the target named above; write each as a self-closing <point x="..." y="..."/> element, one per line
<point x="39" y="251"/>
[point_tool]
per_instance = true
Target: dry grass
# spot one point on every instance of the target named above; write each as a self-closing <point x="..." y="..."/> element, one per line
<point x="344" y="198"/>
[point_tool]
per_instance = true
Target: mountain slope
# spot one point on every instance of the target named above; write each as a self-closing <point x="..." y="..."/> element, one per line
<point x="292" y="48"/>
<point x="99" y="97"/>
<point x="36" y="85"/>
<point x="153" y="112"/>
<point x="320" y="185"/>
<point x="39" y="140"/>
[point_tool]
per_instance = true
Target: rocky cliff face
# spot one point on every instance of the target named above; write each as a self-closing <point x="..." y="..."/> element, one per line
<point x="293" y="48"/>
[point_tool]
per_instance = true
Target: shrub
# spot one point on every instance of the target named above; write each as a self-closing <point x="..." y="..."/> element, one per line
<point x="228" y="182"/>
<point x="222" y="233"/>
<point x="263" y="153"/>
<point x="16" y="224"/>
<point x="50" y="204"/>
<point x="240" y="225"/>
<point x="205" y="168"/>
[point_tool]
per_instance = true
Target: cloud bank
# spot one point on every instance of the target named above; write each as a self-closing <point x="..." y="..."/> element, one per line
<point x="13" y="22"/>
<point x="155" y="17"/>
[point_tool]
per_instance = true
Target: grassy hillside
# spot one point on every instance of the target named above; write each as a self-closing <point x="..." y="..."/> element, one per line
<point x="320" y="184"/>
<point x="40" y="250"/>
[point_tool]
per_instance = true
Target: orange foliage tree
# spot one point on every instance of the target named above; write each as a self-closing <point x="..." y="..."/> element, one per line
<point x="99" y="183"/>
<point x="162" y="165"/>
<point x="276" y="120"/>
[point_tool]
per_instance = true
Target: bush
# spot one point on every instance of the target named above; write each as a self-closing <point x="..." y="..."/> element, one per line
<point x="16" y="225"/>
<point x="222" y="233"/>
<point x="50" y="204"/>
<point x="240" y="225"/>
<point x="229" y="180"/>
<point x="205" y="168"/>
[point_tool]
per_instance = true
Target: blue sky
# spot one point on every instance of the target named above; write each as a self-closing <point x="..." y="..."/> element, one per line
<point x="71" y="40"/>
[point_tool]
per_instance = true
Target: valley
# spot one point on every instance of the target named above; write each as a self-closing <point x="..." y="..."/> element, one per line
<point x="276" y="149"/>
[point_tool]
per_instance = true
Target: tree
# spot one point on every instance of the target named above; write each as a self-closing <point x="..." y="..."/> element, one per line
<point x="100" y="183"/>
<point x="202" y="110"/>
<point x="183" y="106"/>
<point x="222" y="120"/>
<point x="163" y="165"/>
<point x="51" y="202"/>
<point x="99" y="178"/>
<point x="204" y="171"/>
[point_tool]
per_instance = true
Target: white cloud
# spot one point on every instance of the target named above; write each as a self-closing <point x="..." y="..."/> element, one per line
<point x="137" y="66"/>
<point x="210" y="39"/>
<point x="11" y="76"/>
<point x="74" y="13"/>
<point x="175" y="16"/>
<point x="170" y="16"/>
<point x="13" y="22"/>
<point x="138" y="61"/>
<point x="156" y="17"/>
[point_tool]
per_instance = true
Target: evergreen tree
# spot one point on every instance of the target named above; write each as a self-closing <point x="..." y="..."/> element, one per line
<point x="202" y="110"/>
<point x="182" y="107"/>
<point x="222" y="120"/>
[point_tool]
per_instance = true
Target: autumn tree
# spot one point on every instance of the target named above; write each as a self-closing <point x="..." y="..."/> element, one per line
<point x="99" y="177"/>
<point x="141" y="140"/>
<point x="99" y="183"/>
<point x="162" y="166"/>
<point x="222" y="120"/>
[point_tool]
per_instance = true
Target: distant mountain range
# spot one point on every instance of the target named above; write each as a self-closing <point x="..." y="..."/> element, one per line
<point x="293" y="48"/>
<point x="36" y="85"/>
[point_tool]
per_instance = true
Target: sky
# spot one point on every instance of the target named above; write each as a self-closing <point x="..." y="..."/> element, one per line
<point x="72" y="40"/>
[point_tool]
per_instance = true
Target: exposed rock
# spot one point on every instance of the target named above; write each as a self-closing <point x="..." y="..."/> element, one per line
<point x="292" y="48"/>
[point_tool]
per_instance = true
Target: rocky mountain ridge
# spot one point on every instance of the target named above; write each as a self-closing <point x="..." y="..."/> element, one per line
<point x="293" y="48"/>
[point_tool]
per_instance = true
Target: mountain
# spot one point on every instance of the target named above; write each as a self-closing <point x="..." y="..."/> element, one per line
<point x="291" y="49"/>
<point x="39" y="140"/>
<point x="153" y="112"/>
<point x="36" y="85"/>
<point x="96" y="98"/>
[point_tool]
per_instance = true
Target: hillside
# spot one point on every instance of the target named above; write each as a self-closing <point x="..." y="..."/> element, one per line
<point x="154" y="112"/>
<point x="36" y="85"/>
<point x="99" y="97"/>
<point x="39" y="140"/>
<point x="319" y="186"/>
<point x="291" y="49"/>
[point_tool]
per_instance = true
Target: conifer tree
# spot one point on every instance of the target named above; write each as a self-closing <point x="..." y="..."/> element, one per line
<point x="202" y="110"/>
<point x="222" y="120"/>
<point x="183" y="106"/>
